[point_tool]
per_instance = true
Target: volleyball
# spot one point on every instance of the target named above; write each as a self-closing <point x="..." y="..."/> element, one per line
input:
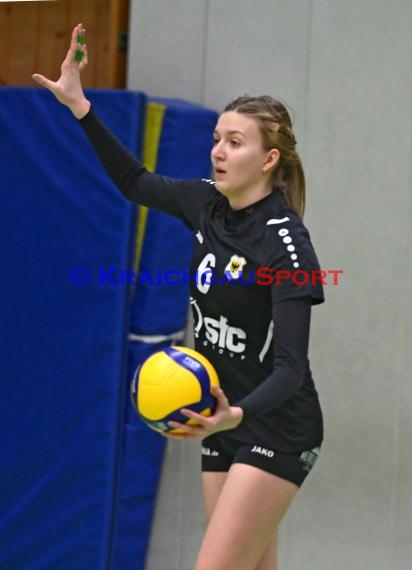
<point x="171" y="379"/>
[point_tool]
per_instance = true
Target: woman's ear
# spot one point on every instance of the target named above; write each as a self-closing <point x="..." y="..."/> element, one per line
<point x="272" y="157"/>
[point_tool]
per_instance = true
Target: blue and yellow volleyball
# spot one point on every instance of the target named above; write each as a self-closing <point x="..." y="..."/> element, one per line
<point x="171" y="379"/>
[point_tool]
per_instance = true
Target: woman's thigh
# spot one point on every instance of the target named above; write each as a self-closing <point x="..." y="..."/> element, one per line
<point x="212" y="483"/>
<point x="247" y="511"/>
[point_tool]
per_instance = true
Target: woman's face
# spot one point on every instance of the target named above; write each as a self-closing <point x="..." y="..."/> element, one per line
<point x="240" y="163"/>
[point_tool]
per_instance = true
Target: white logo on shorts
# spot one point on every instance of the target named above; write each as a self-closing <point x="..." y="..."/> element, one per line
<point x="263" y="451"/>
<point x="208" y="451"/>
<point x="309" y="458"/>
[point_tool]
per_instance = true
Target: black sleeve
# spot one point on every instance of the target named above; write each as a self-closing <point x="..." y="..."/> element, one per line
<point x="295" y="267"/>
<point x="291" y="320"/>
<point x="183" y="199"/>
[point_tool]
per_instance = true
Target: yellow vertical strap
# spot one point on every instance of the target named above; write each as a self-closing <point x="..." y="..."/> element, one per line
<point x="152" y="132"/>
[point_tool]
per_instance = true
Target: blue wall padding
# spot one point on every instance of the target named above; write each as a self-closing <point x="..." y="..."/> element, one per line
<point x="62" y="346"/>
<point x="78" y="470"/>
<point x="184" y="152"/>
<point x="139" y="477"/>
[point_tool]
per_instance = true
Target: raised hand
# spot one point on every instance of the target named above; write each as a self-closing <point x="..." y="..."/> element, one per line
<point x="68" y="88"/>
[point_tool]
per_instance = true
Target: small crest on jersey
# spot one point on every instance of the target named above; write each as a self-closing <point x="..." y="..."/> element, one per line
<point x="199" y="237"/>
<point x="235" y="266"/>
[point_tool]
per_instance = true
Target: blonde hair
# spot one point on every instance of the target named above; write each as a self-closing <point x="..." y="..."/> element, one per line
<point x="276" y="129"/>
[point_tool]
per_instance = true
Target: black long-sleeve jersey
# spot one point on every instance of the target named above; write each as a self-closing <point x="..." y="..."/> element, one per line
<point x="252" y="281"/>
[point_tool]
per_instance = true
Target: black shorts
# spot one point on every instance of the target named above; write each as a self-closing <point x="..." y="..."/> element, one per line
<point x="220" y="454"/>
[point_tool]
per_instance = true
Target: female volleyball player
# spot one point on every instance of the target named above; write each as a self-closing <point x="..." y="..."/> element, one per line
<point x="251" y="320"/>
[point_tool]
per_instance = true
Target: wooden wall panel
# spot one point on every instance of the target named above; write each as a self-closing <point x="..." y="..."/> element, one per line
<point x="52" y="39"/>
<point x="34" y="37"/>
<point x="117" y="60"/>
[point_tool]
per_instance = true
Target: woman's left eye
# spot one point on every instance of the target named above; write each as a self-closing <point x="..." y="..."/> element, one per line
<point x="234" y="143"/>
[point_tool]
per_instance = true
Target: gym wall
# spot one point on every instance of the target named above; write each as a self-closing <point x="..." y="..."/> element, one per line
<point x="344" y="68"/>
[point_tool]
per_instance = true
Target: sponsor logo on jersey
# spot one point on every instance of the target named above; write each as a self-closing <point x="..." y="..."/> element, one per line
<point x="218" y="333"/>
<point x="221" y="334"/>
<point x="263" y="451"/>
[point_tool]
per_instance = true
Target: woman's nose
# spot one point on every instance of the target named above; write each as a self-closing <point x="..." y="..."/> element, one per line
<point x="217" y="150"/>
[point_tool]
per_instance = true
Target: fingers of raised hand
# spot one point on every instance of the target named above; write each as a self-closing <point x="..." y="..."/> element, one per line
<point x="77" y="54"/>
<point x="84" y="60"/>
<point x="81" y="47"/>
<point x="43" y="81"/>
